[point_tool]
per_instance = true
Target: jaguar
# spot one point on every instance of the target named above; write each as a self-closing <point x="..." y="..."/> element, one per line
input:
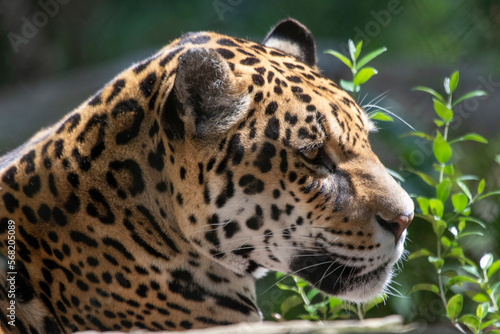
<point x="158" y="202"/>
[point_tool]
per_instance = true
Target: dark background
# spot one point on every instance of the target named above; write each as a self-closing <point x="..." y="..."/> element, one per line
<point x="55" y="54"/>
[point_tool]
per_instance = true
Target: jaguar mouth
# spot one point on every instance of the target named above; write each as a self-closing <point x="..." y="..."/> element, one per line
<point x="346" y="279"/>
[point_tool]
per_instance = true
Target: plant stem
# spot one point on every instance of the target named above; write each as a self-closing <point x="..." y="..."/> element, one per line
<point x="486" y="288"/>
<point x="354" y="70"/>
<point x="303" y="295"/>
<point x="440" y="283"/>
<point x="441" y="173"/>
<point x="445" y="137"/>
<point x="360" y="312"/>
<point x="495" y="305"/>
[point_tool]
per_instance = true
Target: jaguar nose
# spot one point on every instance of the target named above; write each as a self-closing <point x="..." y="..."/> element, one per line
<point x="397" y="225"/>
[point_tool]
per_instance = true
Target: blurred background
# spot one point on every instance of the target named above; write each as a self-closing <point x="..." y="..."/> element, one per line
<point x="56" y="53"/>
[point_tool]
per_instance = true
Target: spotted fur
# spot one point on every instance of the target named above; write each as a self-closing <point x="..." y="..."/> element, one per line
<point x="157" y="202"/>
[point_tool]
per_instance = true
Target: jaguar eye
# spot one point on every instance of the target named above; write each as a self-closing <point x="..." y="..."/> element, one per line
<point x="311" y="155"/>
<point x="317" y="160"/>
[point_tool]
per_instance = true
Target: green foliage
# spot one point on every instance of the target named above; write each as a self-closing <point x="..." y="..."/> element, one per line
<point x="310" y="304"/>
<point x="448" y="212"/>
<point x="452" y="223"/>
<point x="360" y="74"/>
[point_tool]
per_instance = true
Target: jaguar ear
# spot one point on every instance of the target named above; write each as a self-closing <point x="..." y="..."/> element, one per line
<point x="206" y="95"/>
<point x="293" y="38"/>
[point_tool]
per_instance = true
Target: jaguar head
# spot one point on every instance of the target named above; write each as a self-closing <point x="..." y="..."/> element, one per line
<point x="283" y="175"/>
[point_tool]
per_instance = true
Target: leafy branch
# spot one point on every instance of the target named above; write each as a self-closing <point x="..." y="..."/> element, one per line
<point x="451" y="224"/>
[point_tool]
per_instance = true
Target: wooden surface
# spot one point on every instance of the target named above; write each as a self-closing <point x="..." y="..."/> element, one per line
<point x="391" y="324"/>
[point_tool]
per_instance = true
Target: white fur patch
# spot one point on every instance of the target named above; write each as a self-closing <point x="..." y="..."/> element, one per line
<point x="285" y="46"/>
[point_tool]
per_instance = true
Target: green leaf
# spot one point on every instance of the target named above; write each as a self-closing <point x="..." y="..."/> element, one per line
<point x="359" y="46"/>
<point x="461" y="225"/>
<point x="443" y="111"/>
<point x="486" y="261"/>
<point x="436" y="207"/>
<point x="469" y="95"/>
<point x="478" y="297"/>
<point x="466" y="234"/>
<point x="442" y="150"/>
<point x="465" y="189"/>
<point x="482" y="310"/>
<point x="487" y="323"/>
<point x="436" y="261"/>
<point x="381" y="116"/>
<point x="449" y="170"/>
<point x="466" y="212"/>
<point x="351" y="307"/>
<point x="375" y="53"/>
<point x="307" y="317"/>
<point x="454" y="78"/>
<point x="445" y="241"/>
<point x="471" y="321"/>
<point x="352" y="49"/>
<point x="480" y="187"/>
<point x="454" y="306"/>
<point x="348" y="86"/>
<point x="447" y="85"/>
<point x="439" y="123"/>
<point x="468" y="177"/>
<point x="493" y="268"/>
<point x="424" y="287"/>
<point x="457" y="253"/>
<point x="439" y="226"/>
<point x="395" y="174"/>
<point x="472" y="137"/>
<point x="340" y="57"/>
<point x="491" y="193"/>
<point x="423" y="203"/>
<point x="301" y="284"/>
<point x="418" y="134"/>
<point x="497" y="158"/>
<point x="333" y="301"/>
<point x="494" y="288"/>
<point x="471" y="270"/>
<point x="364" y="75"/>
<point x="459" y="202"/>
<point x="373" y="302"/>
<point x="286" y="287"/>
<point x="425" y="177"/>
<point x="443" y="190"/>
<point x="290" y="303"/>
<point x="474" y="220"/>
<point x="420" y="253"/>
<point x="311" y="294"/>
<point x="449" y="273"/>
<point x="320" y="304"/>
<point x="458" y="280"/>
<point x="430" y="91"/>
